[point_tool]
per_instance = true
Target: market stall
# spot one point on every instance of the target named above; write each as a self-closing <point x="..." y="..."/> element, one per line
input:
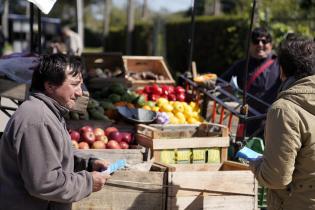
<point x="162" y="136"/>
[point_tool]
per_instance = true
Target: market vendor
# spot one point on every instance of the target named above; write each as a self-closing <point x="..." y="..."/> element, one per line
<point x="287" y="167"/>
<point x="263" y="72"/>
<point x="38" y="167"/>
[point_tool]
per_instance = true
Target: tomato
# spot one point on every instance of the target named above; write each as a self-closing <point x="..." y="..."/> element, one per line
<point x="156" y="89"/>
<point x="179" y="89"/>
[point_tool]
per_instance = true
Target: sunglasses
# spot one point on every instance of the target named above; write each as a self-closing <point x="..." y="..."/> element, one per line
<point x="257" y="41"/>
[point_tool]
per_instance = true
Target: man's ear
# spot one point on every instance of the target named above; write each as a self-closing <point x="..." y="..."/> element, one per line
<point x="49" y="88"/>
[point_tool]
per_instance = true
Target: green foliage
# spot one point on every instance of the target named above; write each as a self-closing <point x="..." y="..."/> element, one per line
<point x="219" y="41"/>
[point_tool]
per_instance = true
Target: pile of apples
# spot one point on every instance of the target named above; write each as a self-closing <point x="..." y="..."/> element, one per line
<point x="169" y="92"/>
<point x="88" y="137"/>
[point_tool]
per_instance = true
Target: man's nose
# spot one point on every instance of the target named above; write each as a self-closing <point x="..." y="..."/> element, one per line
<point x="78" y="91"/>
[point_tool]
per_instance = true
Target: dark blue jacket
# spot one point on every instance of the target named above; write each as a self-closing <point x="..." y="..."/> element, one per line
<point x="265" y="86"/>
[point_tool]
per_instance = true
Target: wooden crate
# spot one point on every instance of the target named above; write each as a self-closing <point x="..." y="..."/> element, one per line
<point x="226" y="186"/>
<point x="104" y="61"/>
<point x="137" y="190"/>
<point x="154" y="64"/>
<point x="166" y="137"/>
<point x="136" y="154"/>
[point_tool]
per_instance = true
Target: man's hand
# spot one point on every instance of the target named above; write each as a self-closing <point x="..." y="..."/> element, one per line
<point x="255" y="164"/>
<point x="99" y="180"/>
<point x="100" y="165"/>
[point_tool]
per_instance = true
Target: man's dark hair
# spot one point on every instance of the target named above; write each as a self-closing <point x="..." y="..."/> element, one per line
<point x="261" y="32"/>
<point x="52" y="68"/>
<point x="296" y="56"/>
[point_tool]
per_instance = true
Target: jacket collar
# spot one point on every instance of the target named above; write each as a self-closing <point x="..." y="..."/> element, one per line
<point x="53" y="105"/>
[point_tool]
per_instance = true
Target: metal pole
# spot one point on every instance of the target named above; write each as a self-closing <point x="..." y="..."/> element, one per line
<point x="244" y="108"/>
<point x="249" y="34"/>
<point x="192" y="33"/>
<point x="39" y="38"/>
<point x="32" y="27"/>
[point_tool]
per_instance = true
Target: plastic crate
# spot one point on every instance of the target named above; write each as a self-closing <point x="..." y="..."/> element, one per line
<point x="257" y="144"/>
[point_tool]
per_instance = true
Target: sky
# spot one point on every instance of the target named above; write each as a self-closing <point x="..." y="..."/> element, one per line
<point x="157" y="5"/>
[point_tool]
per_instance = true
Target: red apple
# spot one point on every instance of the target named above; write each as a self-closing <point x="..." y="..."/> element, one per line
<point x="115" y="135"/>
<point x="180" y="97"/>
<point x="165" y="89"/>
<point x="179" y="89"/>
<point x="126" y="137"/>
<point x="75" y="135"/>
<point x="84" y="145"/>
<point x="101" y="138"/>
<point x="154" y="97"/>
<point x="124" y="145"/>
<point x="88" y="137"/>
<point x="172" y="97"/>
<point x="75" y="144"/>
<point x="85" y="128"/>
<point x="139" y="91"/>
<point x="98" y="132"/>
<point x="171" y="89"/>
<point x="112" y="144"/>
<point x="109" y="130"/>
<point x="98" y="145"/>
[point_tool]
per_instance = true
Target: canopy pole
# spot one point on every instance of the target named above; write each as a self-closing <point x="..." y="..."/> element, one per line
<point x="192" y="34"/>
<point x="39" y="23"/>
<point x="32" y="27"/>
<point x="241" y="131"/>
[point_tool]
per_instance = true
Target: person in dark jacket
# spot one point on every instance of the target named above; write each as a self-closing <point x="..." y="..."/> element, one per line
<point x="263" y="73"/>
<point x="38" y="167"/>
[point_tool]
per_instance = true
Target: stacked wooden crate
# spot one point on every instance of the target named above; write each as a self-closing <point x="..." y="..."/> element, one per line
<point x="177" y="144"/>
<point x="139" y="190"/>
<point x="229" y="185"/>
<point x="153" y="64"/>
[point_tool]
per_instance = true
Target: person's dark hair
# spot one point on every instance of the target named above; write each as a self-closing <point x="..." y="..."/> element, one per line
<point x="296" y="56"/>
<point x="261" y="32"/>
<point x="52" y="68"/>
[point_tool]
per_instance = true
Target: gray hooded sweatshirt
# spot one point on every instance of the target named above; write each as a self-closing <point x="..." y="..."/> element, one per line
<point x="37" y="162"/>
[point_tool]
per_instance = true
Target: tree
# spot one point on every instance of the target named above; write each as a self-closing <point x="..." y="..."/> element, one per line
<point x="130" y="25"/>
<point x="107" y="12"/>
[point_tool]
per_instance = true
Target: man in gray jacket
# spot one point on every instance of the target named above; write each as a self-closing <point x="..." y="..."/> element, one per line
<point x="38" y="167"/>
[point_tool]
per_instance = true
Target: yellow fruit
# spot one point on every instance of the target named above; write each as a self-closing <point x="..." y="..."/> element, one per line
<point x="161" y="101"/>
<point x="174" y="120"/>
<point x="182" y="121"/>
<point x="155" y="109"/>
<point x="188" y="111"/>
<point x="166" y="107"/>
<point x="192" y="104"/>
<point x="192" y="120"/>
<point x="195" y="115"/>
<point x="180" y="115"/>
<point x="170" y="114"/>
<point x="178" y="107"/>
<point x="146" y="107"/>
